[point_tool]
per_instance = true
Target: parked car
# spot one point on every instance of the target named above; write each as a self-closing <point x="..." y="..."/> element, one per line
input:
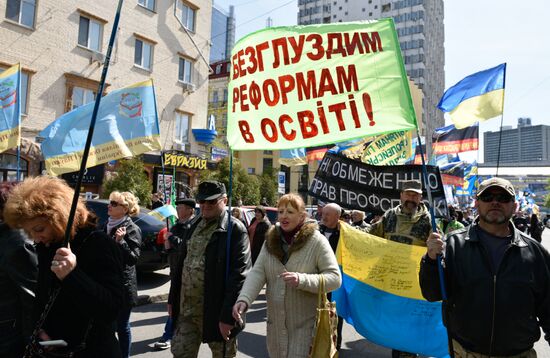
<point x="248" y="214"/>
<point x="152" y="256"/>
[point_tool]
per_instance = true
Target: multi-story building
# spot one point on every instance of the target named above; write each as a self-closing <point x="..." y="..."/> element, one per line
<point x="419" y="24"/>
<point x="61" y="45"/>
<point x="222" y="34"/>
<point x="527" y="145"/>
<point x="217" y="107"/>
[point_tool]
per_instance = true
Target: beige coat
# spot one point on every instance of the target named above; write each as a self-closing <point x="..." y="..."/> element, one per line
<point x="291" y="311"/>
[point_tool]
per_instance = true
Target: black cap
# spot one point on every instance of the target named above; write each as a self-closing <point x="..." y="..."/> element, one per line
<point x="210" y="190"/>
<point x="189" y="202"/>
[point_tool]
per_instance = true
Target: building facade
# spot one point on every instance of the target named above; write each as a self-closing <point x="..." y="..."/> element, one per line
<point x="527" y="145"/>
<point x="61" y="46"/>
<point x="420" y="29"/>
<point x="222" y="34"/>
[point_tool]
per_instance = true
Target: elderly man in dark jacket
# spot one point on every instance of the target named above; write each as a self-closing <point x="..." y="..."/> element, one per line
<point x="497" y="280"/>
<point x="209" y="277"/>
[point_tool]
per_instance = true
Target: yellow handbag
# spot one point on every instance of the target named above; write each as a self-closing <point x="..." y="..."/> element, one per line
<point x="325" y="330"/>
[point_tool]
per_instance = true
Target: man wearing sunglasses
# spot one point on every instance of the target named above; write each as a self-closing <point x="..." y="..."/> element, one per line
<point x="497" y="280"/>
<point x="208" y="278"/>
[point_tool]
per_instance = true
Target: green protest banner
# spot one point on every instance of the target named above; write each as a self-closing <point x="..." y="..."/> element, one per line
<point x="389" y="149"/>
<point x="304" y="86"/>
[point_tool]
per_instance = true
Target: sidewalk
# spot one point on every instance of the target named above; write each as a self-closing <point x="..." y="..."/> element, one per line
<point x="153" y="286"/>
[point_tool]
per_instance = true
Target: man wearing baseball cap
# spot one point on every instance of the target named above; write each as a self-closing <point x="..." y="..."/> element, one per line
<point x="408" y="223"/>
<point x="209" y="277"/>
<point x="497" y="280"/>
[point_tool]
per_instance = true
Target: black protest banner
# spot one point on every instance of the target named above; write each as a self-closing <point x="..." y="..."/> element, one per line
<point x="356" y="185"/>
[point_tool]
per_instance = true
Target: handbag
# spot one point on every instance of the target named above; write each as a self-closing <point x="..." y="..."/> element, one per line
<point x="325" y="330"/>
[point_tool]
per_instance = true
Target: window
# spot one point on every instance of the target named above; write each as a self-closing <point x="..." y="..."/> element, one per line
<point x="81" y="96"/>
<point x="215" y="96"/>
<point x="143" y="54"/>
<point x="21" y="11"/>
<point x="186" y="14"/>
<point x="225" y="94"/>
<point x="182" y="127"/>
<point x="90" y="33"/>
<point x="8" y="167"/>
<point x="251" y="171"/>
<point x="185" y="70"/>
<point x="149" y="4"/>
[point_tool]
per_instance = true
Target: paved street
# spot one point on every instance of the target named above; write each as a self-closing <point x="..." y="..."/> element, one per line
<point x="148" y="323"/>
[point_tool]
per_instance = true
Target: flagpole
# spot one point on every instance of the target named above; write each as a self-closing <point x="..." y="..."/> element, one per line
<point x="501" y="119"/>
<point x="92" y="125"/>
<point x="18" y="175"/>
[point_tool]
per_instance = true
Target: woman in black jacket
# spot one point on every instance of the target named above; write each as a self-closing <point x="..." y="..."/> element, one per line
<point x="18" y="271"/>
<point x="120" y="227"/>
<point x="257" y="230"/>
<point x="86" y="276"/>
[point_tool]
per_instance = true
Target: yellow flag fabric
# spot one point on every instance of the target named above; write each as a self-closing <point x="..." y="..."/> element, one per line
<point x="386" y="265"/>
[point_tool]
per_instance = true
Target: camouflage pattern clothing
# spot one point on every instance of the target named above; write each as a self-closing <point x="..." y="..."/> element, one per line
<point x="188" y="335"/>
<point x="460" y="352"/>
<point x="397" y="226"/>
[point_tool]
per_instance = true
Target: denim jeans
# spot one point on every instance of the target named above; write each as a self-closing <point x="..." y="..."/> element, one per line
<point x="123" y="331"/>
<point x="168" y="330"/>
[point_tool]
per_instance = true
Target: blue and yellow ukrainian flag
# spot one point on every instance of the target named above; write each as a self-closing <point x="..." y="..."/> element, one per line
<point x="380" y="294"/>
<point x="10" y="108"/>
<point x="477" y="97"/>
<point x="164" y="212"/>
<point x="126" y="125"/>
<point x="293" y="157"/>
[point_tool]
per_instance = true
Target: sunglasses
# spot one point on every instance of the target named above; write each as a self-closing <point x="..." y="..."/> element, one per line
<point x="501" y="198"/>
<point x="211" y="202"/>
<point x="114" y="204"/>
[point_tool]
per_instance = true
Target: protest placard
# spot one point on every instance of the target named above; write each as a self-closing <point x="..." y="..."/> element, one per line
<point x="356" y="185"/>
<point x="305" y="86"/>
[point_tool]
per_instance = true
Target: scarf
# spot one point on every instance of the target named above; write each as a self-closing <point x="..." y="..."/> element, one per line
<point x="112" y="223"/>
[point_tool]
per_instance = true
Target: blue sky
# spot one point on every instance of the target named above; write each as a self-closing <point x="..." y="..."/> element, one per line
<point x="478" y="35"/>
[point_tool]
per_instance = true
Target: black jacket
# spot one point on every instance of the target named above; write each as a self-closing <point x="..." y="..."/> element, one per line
<point x="92" y="294"/>
<point x="18" y="272"/>
<point x="486" y="312"/>
<point x="259" y="237"/>
<point x="178" y="232"/>
<point x="130" y="249"/>
<point x="219" y="295"/>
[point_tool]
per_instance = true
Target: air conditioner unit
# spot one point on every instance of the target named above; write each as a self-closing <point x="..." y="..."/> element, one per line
<point x="97" y="56"/>
<point x="188" y="87"/>
<point x="178" y="146"/>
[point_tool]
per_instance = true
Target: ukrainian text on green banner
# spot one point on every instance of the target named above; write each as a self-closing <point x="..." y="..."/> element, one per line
<point x="305" y="86"/>
<point x="389" y="149"/>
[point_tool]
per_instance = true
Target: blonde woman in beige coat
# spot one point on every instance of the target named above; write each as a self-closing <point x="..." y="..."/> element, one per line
<point x="291" y="262"/>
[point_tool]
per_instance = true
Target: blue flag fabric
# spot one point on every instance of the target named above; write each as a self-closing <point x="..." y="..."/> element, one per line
<point x="10" y="108"/>
<point x="127" y="125"/>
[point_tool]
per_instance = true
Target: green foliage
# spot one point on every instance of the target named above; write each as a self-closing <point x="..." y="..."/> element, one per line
<point x="130" y="176"/>
<point x="269" y="186"/>
<point x="245" y="187"/>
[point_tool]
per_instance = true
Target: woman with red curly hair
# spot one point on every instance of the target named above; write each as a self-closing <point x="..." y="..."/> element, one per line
<point x="87" y="275"/>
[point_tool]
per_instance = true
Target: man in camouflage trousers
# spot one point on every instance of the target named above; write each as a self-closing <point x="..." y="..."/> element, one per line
<point x="203" y="292"/>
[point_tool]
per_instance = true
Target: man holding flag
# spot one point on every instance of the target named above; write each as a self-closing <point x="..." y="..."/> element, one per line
<point x="497" y="280"/>
<point x="408" y="223"/>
